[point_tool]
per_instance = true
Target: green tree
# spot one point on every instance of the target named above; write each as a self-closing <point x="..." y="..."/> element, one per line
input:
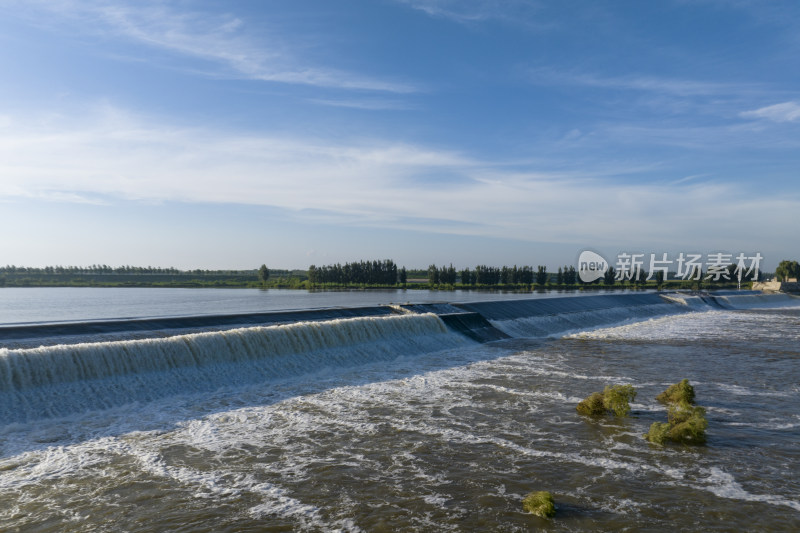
<point x="571" y="276"/>
<point x="403" y="276"/>
<point x="263" y="273"/>
<point x="541" y="275"/>
<point x="505" y="275"/>
<point x="448" y="275"/>
<point x="787" y="270"/>
<point x="610" y="276"/>
<point x="433" y="275"/>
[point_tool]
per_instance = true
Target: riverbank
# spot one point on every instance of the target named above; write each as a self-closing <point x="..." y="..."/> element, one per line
<point x="297" y="283"/>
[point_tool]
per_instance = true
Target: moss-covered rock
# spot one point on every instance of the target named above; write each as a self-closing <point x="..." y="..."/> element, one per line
<point x="617" y="398"/>
<point x="539" y="503"/>
<point x="681" y="392"/>
<point x="593" y="405"/>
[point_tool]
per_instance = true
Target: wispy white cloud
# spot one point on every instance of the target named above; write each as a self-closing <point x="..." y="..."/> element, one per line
<point x="474" y="11"/>
<point x="784" y="112"/>
<point x="693" y="137"/>
<point x="220" y="39"/>
<point x="113" y="154"/>
<point x="696" y="115"/>
<point x="686" y="179"/>
<point x="641" y="98"/>
<point x="643" y="83"/>
<point x="366" y="104"/>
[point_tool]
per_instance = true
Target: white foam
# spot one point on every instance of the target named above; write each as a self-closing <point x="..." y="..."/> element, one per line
<point x="562" y="324"/>
<point x="669" y="327"/>
<point x="739" y="390"/>
<point x="725" y="485"/>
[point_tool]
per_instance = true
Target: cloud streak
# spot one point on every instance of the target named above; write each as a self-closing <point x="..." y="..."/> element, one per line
<point x="365" y="104"/>
<point x="219" y="39"/>
<point x="642" y="83"/>
<point x="476" y="11"/>
<point x="784" y="112"/>
<point x="110" y="154"/>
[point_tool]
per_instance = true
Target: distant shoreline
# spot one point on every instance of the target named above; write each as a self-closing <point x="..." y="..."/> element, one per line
<point x="298" y="284"/>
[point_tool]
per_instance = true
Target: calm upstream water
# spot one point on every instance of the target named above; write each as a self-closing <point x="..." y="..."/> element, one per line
<point x="398" y="423"/>
<point x="58" y="304"/>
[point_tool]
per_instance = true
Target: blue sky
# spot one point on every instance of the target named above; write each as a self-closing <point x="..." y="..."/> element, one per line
<point x="229" y="134"/>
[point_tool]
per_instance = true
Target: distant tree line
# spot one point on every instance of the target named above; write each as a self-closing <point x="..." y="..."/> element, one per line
<point x="361" y="273"/>
<point x="97" y="270"/>
<point x="386" y="273"/>
<point x="133" y="276"/>
<point x="483" y="275"/>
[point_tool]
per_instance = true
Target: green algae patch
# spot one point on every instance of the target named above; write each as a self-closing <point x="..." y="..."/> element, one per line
<point x="593" y="405"/>
<point x="617" y="398"/>
<point x="681" y="392"/>
<point x="687" y="425"/>
<point x="540" y="504"/>
<point x="658" y="434"/>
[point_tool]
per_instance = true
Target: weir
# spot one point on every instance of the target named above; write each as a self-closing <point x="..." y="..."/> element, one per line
<point x="59" y="380"/>
<point x="73" y="376"/>
<point x="555" y="316"/>
<point x="24" y="335"/>
<point x="474" y="326"/>
<point x="509" y="310"/>
<point x="732" y="300"/>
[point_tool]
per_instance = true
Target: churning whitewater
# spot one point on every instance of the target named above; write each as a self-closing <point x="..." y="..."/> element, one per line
<point x="63" y="379"/>
<point x="410" y="421"/>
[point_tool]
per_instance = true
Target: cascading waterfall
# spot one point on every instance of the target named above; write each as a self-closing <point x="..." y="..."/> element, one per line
<point x="556" y="316"/>
<point x="559" y="324"/>
<point x="62" y="379"/>
<point x="759" y="301"/>
<point x="561" y="315"/>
